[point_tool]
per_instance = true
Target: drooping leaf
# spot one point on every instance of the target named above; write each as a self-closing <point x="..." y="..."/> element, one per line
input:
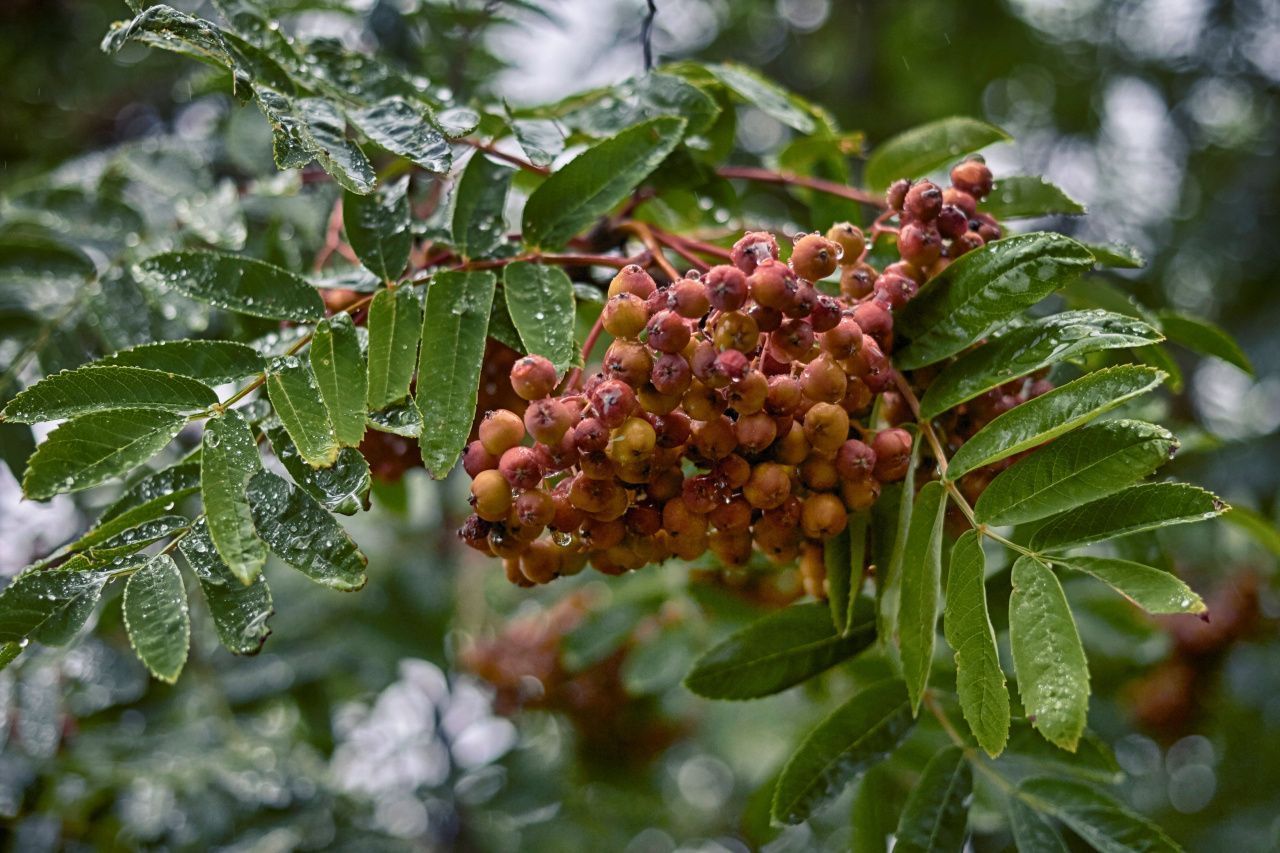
<point x="540" y="302"/>
<point x="855" y="736"/>
<point x="936" y="815"/>
<point x="1019" y="196"/>
<point x="239" y="284"/>
<point x="453" y="334"/>
<point x="1084" y="465"/>
<point x="324" y="553"/>
<point x="1146" y="506"/>
<point x="1102" y="821"/>
<point x="1117" y="255"/>
<point x="1050" y="415"/>
<point x="395" y="323"/>
<point x="306" y="129"/>
<point x="240" y="612"/>
<point x="1204" y="337"/>
<point x="920" y="150"/>
<point x="212" y="362"/>
<point x="156" y="617"/>
<point x="591" y="184"/>
<point x="1152" y="589"/>
<point x="540" y="140"/>
<point x="1032" y="831"/>
<point x="228" y="460"/>
<point x="765" y="95"/>
<point x="875" y="812"/>
<point x="343" y="487"/>
<point x="1053" y="675"/>
<point x="295" y="396"/>
<point x="982" y="290"/>
<point x="377" y="227"/>
<point x="921" y="576"/>
<point x="66" y="622"/>
<point x="34" y="598"/>
<point x="95" y="448"/>
<point x="980" y="682"/>
<point x="776" y="652"/>
<point x="479" y="226"/>
<point x="93" y="388"/>
<point x="844" y="557"/>
<point x="340" y="375"/>
<point x="402" y="128"/>
<point x="1051" y="340"/>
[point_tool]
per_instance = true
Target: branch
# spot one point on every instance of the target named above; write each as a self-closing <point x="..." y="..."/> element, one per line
<point x="489" y="149"/>
<point x="765" y="176"/>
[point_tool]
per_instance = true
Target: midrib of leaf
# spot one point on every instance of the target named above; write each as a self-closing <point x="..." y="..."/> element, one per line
<point x="788" y="652"/>
<point x="936" y="828"/>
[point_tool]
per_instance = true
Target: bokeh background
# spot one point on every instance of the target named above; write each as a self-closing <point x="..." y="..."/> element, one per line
<point x="366" y="724"/>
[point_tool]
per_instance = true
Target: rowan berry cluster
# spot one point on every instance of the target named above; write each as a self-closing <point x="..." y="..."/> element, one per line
<point x="733" y="411"/>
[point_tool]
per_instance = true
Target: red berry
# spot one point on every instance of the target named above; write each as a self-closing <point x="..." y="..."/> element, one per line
<point x="533" y="377"/>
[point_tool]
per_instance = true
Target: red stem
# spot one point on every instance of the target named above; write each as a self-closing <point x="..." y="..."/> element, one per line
<point x="752" y="173"/>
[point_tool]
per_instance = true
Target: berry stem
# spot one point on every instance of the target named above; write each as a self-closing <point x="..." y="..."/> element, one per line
<point x="683" y="251"/>
<point x="765" y="176"/>
<point x="650" y="241"/>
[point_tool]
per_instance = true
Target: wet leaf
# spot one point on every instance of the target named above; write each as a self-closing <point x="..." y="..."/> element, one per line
<point x="240" y="612"/>
<point x="95" y="448"/>
<point x="239" y="284"/>
<point x="96" y="388"/>
<point x="479" y="200"/>
<point x="395" y="324"/>
<point x="156" y="617"/>
<point x="936" y="814"/>
<point x="228" y="460"/>
<point x="1146" y="506"/>
<point x="300" y="532"/>
<point x="404" y="128"/>
<point x="295" y="396"/>
<point x="34" y="598"/>
<point x="213" y="362"/>
<point x="980" y="682"/>
<point x="1102" y="821"/>
<point x="340" y="374"/>
<point x="1018" y="196"/>
<point x="540" y="301"/>
<point x="377" y="227"/>
<point x="1152" y="589"/>
<point x="921" y="150"/>
<point x="343" y="487"/>
<point x="921" y="577"/>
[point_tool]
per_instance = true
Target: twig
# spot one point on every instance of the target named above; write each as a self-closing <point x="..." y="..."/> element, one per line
<point x="489" y="149"/>
<point x="646" y="35"/>
<point x="752" y="173"/>
<point x="646" y="236"/>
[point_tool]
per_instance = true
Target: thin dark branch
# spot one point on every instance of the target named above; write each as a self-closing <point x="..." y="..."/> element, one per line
<point x="646" y="34"/>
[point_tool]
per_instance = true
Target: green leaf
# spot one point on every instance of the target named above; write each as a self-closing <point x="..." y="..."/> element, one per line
<point x="152" y="497"/>
<point x="133" y="539"/>
<point x="776" y="652"/>
<point x="240" y="612"/>
<point x="892" y="548"/>
<point x="309" y="129"/>
<point x="540" y="140"/>
<point x="228" y="460"/>
<point x="1152" y="589"/>
<point x="1053" y="675"/>
<point x="1019" y="196"/>
<point x="400" y="418"/>
<point x="936" y="815"/>
<point x="1102" y="821"/>
<point x="295" y="396"/>
<point x="340" y="374"/>
<point x="1030" y="754"/>
<point x="63" y="626"/>
<point x="34" y="598"/>
<point x="156" y="617"/>
<point x="766" y="96"/>
<point x="1026" y="349"/>
<point x="1117" y="255"/>
<point x="921" y="575"/>
<point x="95" y="448"/>
<point x="844" y="557"/>
<point x="395" y="322"/>
<point x="403" y="128"/>
<point x="982" y="290"/>
<point x="1204" y="337"/>
<point x="300" y="532"/>
<point x="17" y="443"/>
<point x="591" y="184"/>
<point x="377" y="227"/>
<point x="454" y="326"/>
<point x="923" y="149"/>
<point x="855" y="736"/>
<point x="1257" y="526"/>
<point x="1146" y="506"/>
<point x="239" y="284"/>
<point x="343" y="487"/>
<point x="99" y="389"/>
<point x="479" y="226"/>
<point x="1032" y="831"/>
<point x="540" y="302"/>
<point x="645" y="97"/>
<point x="1050" y="415"/>
<point x="980" y="682"/>
<point x="1084" y="465"/>
<point x="213" y="362"/>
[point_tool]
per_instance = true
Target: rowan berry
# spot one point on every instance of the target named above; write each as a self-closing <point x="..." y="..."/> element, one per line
<point x="547" y="420"/>
<point x="533" y="377"/>
<point x="476" y="459"/>
<point x="634" y="280"/>
<point x="814" y="257"/>
<point x="624" y="316"/>
<point x="726" y="287"/>
<point x="520" y="466"/>
<point x="754" y="247"/>
<point x="689" y="298"/>
<point x="893" y="454"/>
<point x="491" y="495"/>
<point x="973" y="177"/>
<point x="851" y="240"/>
<point x="500" y="430"/>
<point x="922" y="202"/>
